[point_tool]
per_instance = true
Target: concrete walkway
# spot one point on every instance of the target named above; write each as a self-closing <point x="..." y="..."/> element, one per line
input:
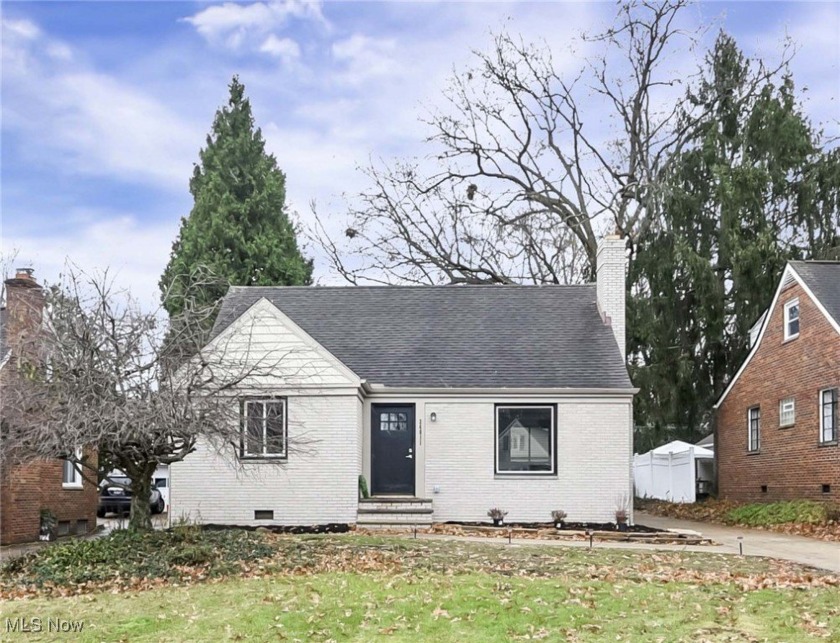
<point x="798" y="549"/>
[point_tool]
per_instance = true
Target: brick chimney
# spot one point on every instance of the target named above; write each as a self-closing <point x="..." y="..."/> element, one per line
<point x="24" y="311"/>
<point x="611" y="277"/>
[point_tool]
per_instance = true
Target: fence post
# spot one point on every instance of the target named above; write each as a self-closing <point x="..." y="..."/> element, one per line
<point x="671" y="475"/>
<point x="693" y="465"/>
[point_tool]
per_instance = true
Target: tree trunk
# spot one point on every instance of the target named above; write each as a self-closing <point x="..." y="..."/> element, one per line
<point x="141" y="513"/>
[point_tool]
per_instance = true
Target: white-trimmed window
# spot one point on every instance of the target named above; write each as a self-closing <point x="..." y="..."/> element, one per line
<point x="71" y="475"/>
<point x="787" y="412"/>
<point x="792" y="319"/>
<point x="264" y="433"/>
<point x="828" y="415"/>
<point x="754" y="429"/>
<point x="525" y="440"/>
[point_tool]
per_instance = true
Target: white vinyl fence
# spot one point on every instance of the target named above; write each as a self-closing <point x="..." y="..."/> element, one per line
<point x="666" y="476"/>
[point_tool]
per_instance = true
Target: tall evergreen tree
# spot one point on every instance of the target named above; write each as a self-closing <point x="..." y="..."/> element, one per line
<point x="752" y="190"/>
<point x="238" y="228"/>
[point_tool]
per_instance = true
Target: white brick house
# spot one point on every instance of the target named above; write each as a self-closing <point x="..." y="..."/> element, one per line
<point x="417" y="389"/>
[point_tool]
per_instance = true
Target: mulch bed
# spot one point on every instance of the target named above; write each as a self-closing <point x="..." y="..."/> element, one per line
<point x="542" y="531"/>
<point x="567" y="526"/>
<point x="330" y="528"/>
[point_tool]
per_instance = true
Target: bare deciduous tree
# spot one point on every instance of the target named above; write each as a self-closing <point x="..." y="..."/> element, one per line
<point x="530" y="164"/>
<point x="104" y="378"/>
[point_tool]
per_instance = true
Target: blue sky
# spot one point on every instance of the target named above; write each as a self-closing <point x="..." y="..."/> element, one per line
<point x="105" y="105"/>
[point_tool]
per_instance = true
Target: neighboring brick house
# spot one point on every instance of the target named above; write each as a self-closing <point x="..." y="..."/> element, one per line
<point x="778" y="421"/>
<point x="54" y="485"/>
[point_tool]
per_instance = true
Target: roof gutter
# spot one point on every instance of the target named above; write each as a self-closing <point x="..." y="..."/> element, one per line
<point x="371" y="388"/>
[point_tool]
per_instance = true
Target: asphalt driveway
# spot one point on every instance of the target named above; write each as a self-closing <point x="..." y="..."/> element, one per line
<point x="756" y="542"/>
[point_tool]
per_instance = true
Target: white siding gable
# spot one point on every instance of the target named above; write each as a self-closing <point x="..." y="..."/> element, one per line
<point x="277" y="353"/>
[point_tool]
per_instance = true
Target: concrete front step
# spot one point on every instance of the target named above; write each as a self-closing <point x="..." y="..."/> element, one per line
<point x="390" y="510"/>
<point x="400" y="500"/>
<point x="364" y="520"/>
<point x="395" y="510"/>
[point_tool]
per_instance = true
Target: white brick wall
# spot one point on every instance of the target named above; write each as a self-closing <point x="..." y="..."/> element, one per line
<point x="311" y="488"/>
<point x="611" y="283"/>
<point x="593" y="465"/>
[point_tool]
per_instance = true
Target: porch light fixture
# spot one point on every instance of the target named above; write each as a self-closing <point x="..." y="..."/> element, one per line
<point x="433" y="417"/>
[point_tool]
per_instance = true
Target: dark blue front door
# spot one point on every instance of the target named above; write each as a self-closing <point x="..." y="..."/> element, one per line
<point x="392" y="449"/>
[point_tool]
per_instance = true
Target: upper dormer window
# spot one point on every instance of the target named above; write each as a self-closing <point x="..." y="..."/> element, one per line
<point x="792" y="319"/>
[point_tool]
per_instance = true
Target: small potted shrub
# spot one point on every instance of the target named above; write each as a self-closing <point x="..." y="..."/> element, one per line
<point x="47" y="529"/>
<point x="498" y="516"/>
<point x="558" y="517"/>
<point x="621" y="518"/>
<point x="622" y="512"/>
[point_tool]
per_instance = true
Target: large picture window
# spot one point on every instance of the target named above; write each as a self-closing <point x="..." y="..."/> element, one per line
<point x="828" y="415"/>
<point x="264" y="432"/>
<point x="525" y="440"/>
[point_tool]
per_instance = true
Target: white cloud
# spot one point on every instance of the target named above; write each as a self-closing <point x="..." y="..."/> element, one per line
<point x="87" y="122"/>
<point x="284" y="48"/>
<point x="23" y="29"/>
<point x="816" y="65"/>
<point x="133" y="251"/>
<point x="253" y="27"/>
<point x="365" y="57"/>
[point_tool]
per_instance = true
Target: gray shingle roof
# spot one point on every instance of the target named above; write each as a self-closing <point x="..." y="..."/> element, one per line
<point x="708" y="441"/>
<point x="823" y="278"/>
<point x="453" y="336"/>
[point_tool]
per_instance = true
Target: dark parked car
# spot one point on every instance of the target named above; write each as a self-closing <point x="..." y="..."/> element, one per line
<point x="114" y="498"/>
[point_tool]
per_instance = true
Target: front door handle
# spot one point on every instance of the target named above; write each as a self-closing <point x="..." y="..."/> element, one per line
<point x="410" y="455"/>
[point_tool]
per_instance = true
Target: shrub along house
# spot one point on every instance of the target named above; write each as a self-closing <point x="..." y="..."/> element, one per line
<point x="448" y="400"/>
<point x="54" y="487"/>
<point x="778" y="421"/>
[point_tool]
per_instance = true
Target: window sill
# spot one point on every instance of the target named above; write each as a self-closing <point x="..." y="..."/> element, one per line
<point x="73" y="485"/>
<point x="831" y="443"/>
<point x="525" y="476"/>
<point x="790" y="339"/>
<point x="262" y="458"/>
<point x="787" y="426"/>
<point x="757" y="452"/>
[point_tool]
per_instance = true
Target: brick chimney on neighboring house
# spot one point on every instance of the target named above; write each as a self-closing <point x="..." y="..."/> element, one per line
<point x="24" y="312"/>
<point x="611" y="280"/>
<point x="28" y="488"/>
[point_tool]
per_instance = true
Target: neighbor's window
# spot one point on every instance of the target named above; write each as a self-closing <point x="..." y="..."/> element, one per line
<point x="264" y="428"/>
<point x="828" y="415"/>
<point x="792" y="319"/>
<point x="71" y="476"/>
<point x="754" y="434"/>
<point x="787" y="412"/>
<point x="525" y="439"/>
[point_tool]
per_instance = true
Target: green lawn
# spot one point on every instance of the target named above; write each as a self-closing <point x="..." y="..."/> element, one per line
<point x="355" y="588"/>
